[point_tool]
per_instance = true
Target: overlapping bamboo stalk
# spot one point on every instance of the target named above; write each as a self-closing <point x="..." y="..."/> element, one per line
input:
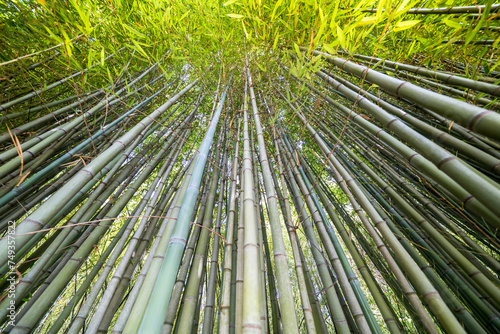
<point x="168" y="219"/>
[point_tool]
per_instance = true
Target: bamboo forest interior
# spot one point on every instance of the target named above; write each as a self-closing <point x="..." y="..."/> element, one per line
<point x="249" y="166"/>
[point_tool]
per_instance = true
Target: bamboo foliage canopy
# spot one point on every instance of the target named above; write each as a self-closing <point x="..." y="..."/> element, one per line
<point x="249" y="166"/>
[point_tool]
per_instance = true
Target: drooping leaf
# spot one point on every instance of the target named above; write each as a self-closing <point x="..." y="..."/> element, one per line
<point x="403" y="25"/>
<point x="235" y="16"/>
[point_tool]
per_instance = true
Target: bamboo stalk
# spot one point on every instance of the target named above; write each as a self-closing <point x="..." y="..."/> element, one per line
<point x="113" y="283"/>
<point x="185" y="319"/>
<point x="38" y="219"/>
<point x="339" y="318"/>
<point x="36" y="311"/>
<point x="445" y="10"/>
<point x="347" y="283"/>
<point x="252" y="285"/>
<point x="153" y="317"/>
<point x="279" y="253"/>
<point x="418" y="278"/>
<point x="176" y="303"/>
<point x="477" y="119"/>
<point x="421" y="163"/>
<point x="28" y="96"/>
<point x="487" y="160"/>
<point x="448" y="78"/>
<point x="307" y="309"/>
<point x="228" y="268"/>
<point x="144" y="281"/>
<point x="208" y="317"/>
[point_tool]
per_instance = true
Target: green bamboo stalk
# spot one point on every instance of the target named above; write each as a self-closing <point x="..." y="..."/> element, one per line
<point x="140" y="252"/>
<point x="307" y="309"/>
<point x="458" y="258"/>
<point x="208" y="317"/>
<point x="56" y="134"/>
<point x="83" y="289"/>
<point x="154" y="315"/>
<point x="176" y="303"/>
<point x="320" y="221"/>
<point x="145" y="280"/>
<point x="462" y="314"/>
<point x="68" y="155"/>
<point x="339" y="318"/>
<point x="444" y="10"/>
<point x="319" y="319"/>
<point x="477" y="119"/>
<point x="71" y="98"/>
<point x="93" y="197"/>
<point x="54" y="220"/>
<point x="438" y="75"/>
<point x="402" y="280"/>
<point x="487" y="160"/>
<point x="417" y="277"/>
<point x="478" y="141"/>
<point x="226" y="305"/>
<point x="33" y="315"/>
<point x="113" y="282"/>
<point x="9" y="154"/>
<point x="89" y="212"/>
<point x="485" y="190"/>
<point x="287" y="304"/>
<point x="117" y="245"/>
<point x="185" y="319"/>
<point x="386" y="311"/>
<point x="276" y="318"/>
<point x="28" y="279"/>
<point x="468" y="96"/>
<point x="144" y="289"/>
<point x="469" y="201"/>
<point x="240" y="265"/>
<point x="28" y="96"/>
<point x="252" y="285"/>
<point x="39" y="218"/>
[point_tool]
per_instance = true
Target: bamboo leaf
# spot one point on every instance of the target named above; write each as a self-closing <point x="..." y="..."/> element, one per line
<point x="380" y="8"/>
<point x="403" y="25"/>
<point x="297" y="50"/>
<point x="183" y="16"/>
<point x="229" y="2"/>
<point x="329" y="49"/>
<point x="235" y="16"/>
<point x="140" y="49"/>
<point x="367" y="20"/>
<point x="276" y="41"/>
<point x="453" y="23"/>
<point x="341" y="37"/>
<point x="276" y="6"/>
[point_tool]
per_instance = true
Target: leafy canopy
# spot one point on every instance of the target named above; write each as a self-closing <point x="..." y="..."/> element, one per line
<point x="204" y="33"/>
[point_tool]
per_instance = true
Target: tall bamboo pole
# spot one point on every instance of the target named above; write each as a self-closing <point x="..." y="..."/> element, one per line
<point x="154" y="315"/>
<point x="252" y="285"/>
<point x="339" y="318"/>
<point x="228" y="267"/>
<point x="477" y="119"/>
<point x="185" y="319"/>
<point x="418" y="278"/>
<point x="279" y="252"/>
<point x="41" y="216"/>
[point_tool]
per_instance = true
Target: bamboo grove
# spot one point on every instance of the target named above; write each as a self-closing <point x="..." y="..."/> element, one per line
<point x="229" y="175"/>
